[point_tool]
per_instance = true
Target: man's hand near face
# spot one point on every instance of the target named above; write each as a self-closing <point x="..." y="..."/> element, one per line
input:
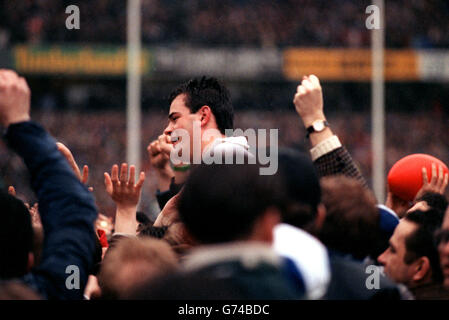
<point x="159" y="153"/>
<point x="14" y="98"/>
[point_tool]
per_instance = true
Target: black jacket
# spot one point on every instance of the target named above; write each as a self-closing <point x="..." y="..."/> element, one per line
<point x="349" y="279"/>
<point x="67" y="211"/>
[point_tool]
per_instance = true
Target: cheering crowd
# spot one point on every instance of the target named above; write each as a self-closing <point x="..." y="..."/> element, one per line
<point x="101" y="132"/>
<point x="312" y="230"/>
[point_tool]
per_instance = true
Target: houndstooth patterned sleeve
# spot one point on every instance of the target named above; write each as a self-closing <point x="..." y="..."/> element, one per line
<point x="338" y="161"/>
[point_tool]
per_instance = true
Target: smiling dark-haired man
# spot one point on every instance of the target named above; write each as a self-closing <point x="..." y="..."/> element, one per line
<point x="202" y="108"/>
<point x="200" y="112"/>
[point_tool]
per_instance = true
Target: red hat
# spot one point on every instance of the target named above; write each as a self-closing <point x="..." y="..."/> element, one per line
<point x="405" y="177"/>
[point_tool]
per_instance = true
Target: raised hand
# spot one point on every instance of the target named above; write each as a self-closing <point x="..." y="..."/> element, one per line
<point x="15" y="98"/>
<point x="438" y="182"/>
<point x="122" y="189"/>
<point x="84" y="177"/>
<point x="169" y="214"/>
<point x="308" y="100"/>
<point x="176" y="233"/>
<point x="399" y="206"/>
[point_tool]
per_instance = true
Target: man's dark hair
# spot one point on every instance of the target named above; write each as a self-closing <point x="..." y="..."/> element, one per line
<point x="434" y="200"/>
<point x="207" y="91"/>
<point x="421" y="243"/>
<point x="302" y="189"/>
<point x="152" y="231"/>
<point x="351" y="224"/>
<point x="221" y="202"/>
<point x="16" y="237"/>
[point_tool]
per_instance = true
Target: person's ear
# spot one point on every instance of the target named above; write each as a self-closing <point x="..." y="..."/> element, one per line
<point x="422" y="269"/>
<point x="205" y="114"/>
<point x="30" y="263"/>
<point x="320" y="217"/>
<point x="263" y="228"/>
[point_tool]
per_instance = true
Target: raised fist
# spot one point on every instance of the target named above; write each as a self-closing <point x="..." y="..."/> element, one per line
<point x="308" y="100"/>
<point x="159" y="152"/>
<point x="14" y="98"/>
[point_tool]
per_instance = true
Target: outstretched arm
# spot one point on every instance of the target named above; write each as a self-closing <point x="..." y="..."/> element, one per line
<point x="66" y="206"/>
<point x="328" y="154"/>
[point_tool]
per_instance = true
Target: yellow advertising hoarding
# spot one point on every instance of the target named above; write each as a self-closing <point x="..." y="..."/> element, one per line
<point x="96" y="61"/>
<point x="291" y="64"/>
<point x="347" y="64"/>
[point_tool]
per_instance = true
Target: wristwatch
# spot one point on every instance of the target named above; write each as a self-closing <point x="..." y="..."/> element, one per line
<point x="317" y="126"/>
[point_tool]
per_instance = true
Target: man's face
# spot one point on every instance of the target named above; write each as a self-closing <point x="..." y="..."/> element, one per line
<point x="180" y="117"/>
<point x="443" y="249"/>
<point x="393" y="257"/>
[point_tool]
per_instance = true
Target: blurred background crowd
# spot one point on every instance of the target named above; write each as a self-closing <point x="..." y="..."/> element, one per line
<point x="260" y="23"/>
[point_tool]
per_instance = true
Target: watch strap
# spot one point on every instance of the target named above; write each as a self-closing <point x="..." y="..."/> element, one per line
<point x="311" y="129"/>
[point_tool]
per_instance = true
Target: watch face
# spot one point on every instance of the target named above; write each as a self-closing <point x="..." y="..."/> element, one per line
<point x="318" y="126"/>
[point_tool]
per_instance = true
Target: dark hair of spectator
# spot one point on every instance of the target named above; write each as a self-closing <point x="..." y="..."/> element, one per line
<point x="351" y="224"/>
<point x="16" y="237"/>
<point x="302" y="189"/>
<point x="421" y="243"/>
<point x="206" y="91"/>
<point x="152" y="231"/>
<point x="221" y="202"/>
<point x="434" y="200"/>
